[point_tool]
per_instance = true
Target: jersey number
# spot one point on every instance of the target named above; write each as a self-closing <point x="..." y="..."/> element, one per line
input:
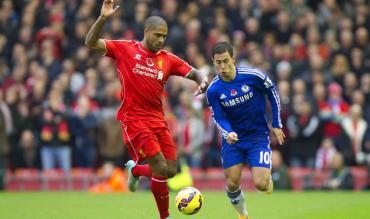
<point x="265" y="157"/>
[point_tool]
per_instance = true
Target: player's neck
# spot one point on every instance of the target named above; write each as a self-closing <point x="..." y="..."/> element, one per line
<point x="146" y="47"/>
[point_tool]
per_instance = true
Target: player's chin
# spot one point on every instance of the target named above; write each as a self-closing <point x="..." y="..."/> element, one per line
<point x="157" y="48"/>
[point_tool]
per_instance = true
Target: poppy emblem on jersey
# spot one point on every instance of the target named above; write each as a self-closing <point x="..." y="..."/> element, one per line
<point x="245" y="88"/>
<point x="149" y="62"/>
<point x="233" y="92"/>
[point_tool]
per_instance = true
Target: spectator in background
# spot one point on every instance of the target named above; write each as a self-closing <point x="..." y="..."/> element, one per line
<point x="279" y="171"/>
<point x="339" y="67"/>
<point x="365" y="91"/>
<point x="4" y="144"/>
<point x="325" y="154"/>
<point x="283" y="71"/>
<point x="340" y="175"/>
<point x="367" y="149"/>
<point x="55" y="136"/>
<point x="83" y="125"/>
<point x="333" y="111"/>
<point x="305" y="133"/>
<point x="212" y="142"/>
<point x="23" y="120"/>
<point x="350" y="84"/>
<point x="352" y="139"/>
<point x="26" y="154"/>
<point x="191" y="133"/>
<point x="110" y="142"/>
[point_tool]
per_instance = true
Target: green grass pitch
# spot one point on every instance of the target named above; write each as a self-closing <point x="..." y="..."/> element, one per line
<point x="140" y="205"/>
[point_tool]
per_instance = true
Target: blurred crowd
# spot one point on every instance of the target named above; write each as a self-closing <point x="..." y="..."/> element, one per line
<point x="58" y="99"/>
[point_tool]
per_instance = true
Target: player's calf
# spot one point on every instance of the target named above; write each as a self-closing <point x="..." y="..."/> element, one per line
<point x="270" y="187"/>
<point x="237" y="200"/>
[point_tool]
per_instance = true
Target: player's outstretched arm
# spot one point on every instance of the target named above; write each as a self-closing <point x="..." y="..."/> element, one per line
<point x="92" y="38"/>
<point x="200" y="79"/>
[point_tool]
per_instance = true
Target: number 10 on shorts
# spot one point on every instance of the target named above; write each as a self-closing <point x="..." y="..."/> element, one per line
<point x="265" y="157"/>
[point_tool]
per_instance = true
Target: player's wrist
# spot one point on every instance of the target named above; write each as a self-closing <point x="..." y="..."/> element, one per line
<point x="103" y="18"/>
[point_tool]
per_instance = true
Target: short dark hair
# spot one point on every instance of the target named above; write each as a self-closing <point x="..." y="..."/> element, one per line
<point x="154" y="21"/>
<point x="222" y="47"/>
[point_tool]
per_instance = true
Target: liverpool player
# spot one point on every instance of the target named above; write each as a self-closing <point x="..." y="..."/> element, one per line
<point x="143" y="69"/>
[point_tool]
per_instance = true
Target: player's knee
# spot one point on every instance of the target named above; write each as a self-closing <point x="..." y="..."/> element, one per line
<point x="262" y="183"/>
<point x="160" y="169"/>
<point x="171" y="173"/>
<point x="232" y="185"/>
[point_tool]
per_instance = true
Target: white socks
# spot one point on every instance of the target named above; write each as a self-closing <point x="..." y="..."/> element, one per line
<point x="238" y="201"/>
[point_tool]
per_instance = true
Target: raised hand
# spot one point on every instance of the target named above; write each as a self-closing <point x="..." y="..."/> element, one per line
<point x="108" y="8"/>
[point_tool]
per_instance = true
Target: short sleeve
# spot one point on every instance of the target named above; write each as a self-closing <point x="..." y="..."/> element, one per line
<point x="114" y="48"/>
<point x="178" y="66"/>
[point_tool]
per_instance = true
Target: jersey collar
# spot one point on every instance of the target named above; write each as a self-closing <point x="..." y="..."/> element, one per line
<point x="145" y="50"/>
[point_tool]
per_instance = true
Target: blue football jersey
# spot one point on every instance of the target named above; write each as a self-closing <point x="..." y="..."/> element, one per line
<point x="239" y="105"/>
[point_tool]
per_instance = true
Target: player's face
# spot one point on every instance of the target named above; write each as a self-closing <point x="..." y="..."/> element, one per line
<point x="156" y="37"/>
<point x="225" y="65"/>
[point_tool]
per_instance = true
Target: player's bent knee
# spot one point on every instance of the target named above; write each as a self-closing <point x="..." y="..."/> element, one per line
<point x="171" y="173"/>
<point x="232" y="185"/>
<point x="161" y="169"/>
<point x="262" y="184"/>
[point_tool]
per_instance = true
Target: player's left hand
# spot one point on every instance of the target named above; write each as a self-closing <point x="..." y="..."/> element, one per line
<point x="278" y="132"/>
<point x="202" y="88"/>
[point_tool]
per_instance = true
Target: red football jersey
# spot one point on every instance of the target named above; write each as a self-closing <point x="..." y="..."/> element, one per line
<point x="143" y="74"/>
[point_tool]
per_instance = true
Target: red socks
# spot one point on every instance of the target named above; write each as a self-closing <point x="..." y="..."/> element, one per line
<point x="142" y="170"/>
<point x="158" y="185"/>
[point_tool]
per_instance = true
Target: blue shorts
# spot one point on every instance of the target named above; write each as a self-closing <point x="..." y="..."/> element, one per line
<point x="256" y="153"/>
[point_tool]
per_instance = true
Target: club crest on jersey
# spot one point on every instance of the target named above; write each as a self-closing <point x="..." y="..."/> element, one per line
<point x="245" y="88"/>
<point x="160" y="63"/>
<point x="233" y="92"/>
<point x="149" y="62"/>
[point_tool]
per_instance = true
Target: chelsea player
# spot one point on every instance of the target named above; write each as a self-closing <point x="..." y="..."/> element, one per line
<point x="237" y="99"/>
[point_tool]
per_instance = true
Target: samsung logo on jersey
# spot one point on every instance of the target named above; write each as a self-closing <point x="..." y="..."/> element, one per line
<point x="237" y="100"/>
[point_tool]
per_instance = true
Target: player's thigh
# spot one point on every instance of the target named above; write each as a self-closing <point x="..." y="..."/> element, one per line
<point x="142" y="142"/>
<point x="259" y="159"/>
<point x="233" y="176"/>
<point x="261" y="176"/>
<point x="231" y="155"/>
<point x="167" y="145"/>
<point x="259" y="154"/>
